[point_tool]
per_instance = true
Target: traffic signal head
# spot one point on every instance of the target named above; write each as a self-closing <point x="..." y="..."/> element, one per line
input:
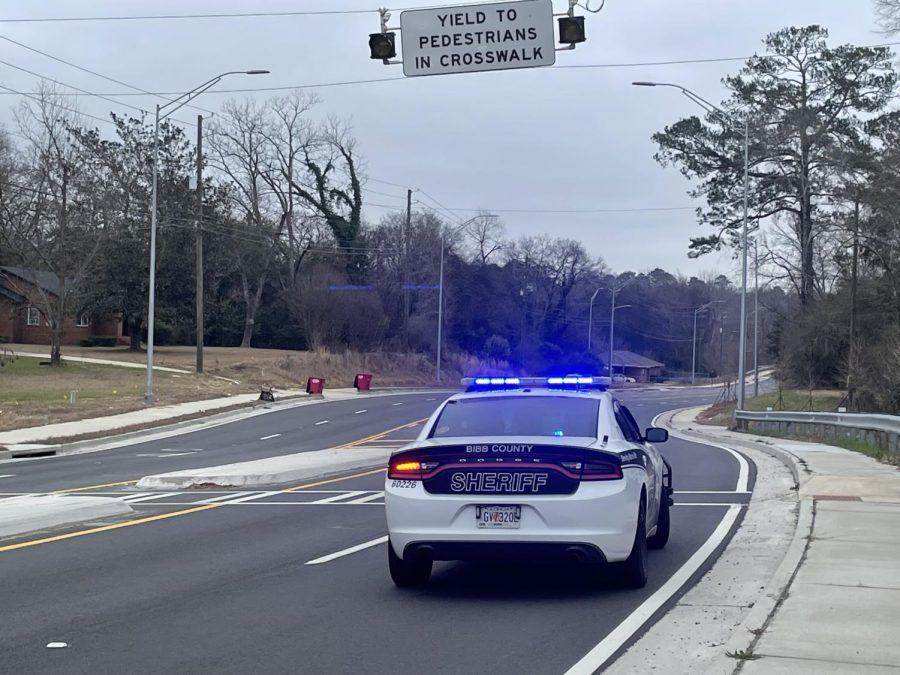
<point x="571" y="30"/>
<point x="381" y="46"/>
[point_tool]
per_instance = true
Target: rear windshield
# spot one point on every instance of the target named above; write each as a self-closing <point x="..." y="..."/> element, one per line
<point x="519" y="416"/>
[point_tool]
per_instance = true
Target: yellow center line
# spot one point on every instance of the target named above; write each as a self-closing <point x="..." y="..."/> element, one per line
<point x="93" y="487"/>
<point x="334" y="480"/>
<point x="105" y="528"/>
<point x="381" y="434"/>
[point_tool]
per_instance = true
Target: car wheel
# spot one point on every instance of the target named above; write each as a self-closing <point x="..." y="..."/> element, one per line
<point x="634" y="568"/>
<point x="410" y="572"/>
<point x="661" y="537"/>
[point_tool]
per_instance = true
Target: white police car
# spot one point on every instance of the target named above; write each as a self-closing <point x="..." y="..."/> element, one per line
<point x="528" y="469"/>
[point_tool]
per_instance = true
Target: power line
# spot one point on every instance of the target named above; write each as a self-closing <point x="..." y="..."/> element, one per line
<point x="86" y="92"/>
<point x="586" y="211"/>
<point x="94" y="73"/>
<point x="217" y="15"/>
<point x="57" y="105"/>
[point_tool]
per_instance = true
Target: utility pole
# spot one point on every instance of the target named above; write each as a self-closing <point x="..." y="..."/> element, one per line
<point x="591" y="319"/>
<point x="722" y="347"/>
<point x="854" y="273"/>
<point x="755" y="318"/>
<point x="612" y="333"/>
<point x="406" y="264"/>
<point x="199" y="245"/>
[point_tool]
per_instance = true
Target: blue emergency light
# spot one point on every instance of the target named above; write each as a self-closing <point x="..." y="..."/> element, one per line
<point x="572" y="382"/>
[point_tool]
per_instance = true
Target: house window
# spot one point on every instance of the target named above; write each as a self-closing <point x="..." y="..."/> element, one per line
<point x="84" y="320"/>
<point x="34" y="316"/>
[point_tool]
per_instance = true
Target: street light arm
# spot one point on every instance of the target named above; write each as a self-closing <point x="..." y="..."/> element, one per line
<point x="693" y="96"/>
<point x="189" y="96"/>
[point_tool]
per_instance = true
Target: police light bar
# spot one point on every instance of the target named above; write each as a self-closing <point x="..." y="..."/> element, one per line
<point x="566" y="382"/>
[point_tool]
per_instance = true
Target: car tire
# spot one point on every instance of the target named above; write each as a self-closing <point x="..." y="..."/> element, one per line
<point x="661" y="536"/>
<point x="408" y="573"/>
<point x="633" y="570"/>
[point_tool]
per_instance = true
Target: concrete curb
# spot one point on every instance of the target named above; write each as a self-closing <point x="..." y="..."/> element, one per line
<point x="19" y="515"/>
<point x="747" y="633"/>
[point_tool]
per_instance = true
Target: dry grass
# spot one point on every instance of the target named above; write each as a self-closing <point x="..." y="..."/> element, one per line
<point x="799" y="400"/>
<point x="32" y="394"/>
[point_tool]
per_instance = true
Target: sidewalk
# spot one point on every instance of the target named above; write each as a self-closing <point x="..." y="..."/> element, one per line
<point x="840" y="612"/>
<point x="104" y="362"/>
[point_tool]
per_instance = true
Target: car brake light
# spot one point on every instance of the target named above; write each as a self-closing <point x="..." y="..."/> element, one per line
<point x="409" y="469"/>
<point x="601" y="471"/>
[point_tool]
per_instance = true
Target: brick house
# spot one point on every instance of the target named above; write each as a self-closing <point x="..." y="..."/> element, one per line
<point x="21" y="320"/>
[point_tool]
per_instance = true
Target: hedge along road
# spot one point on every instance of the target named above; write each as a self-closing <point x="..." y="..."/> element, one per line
<point x="227" y="588"/>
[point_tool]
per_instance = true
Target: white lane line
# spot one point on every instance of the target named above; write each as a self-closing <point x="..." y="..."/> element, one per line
<point x="348" y="551"/>
<point x="360" y="412"/>
<point x="230" y="495"/>
<point x="431" y="399"/>
<point x="394" y="405"/>
<point x="8" y="475"/>
<point x="258" y="495"/>
<point x="370" y="498"/>
<point x="265" y="438"/>
<point x="150" y="497"/>
<point x="319" y="423"/>
<point x="743" y="480"/>
<point x="335" y="498"/>
<point x="599" y="655"/>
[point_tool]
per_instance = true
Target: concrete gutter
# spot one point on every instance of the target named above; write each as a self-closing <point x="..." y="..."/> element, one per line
<point x="300" y="466"/>
<point x="19" y="515"/>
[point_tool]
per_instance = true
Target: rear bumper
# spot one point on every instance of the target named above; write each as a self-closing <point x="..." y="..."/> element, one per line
<point x="512" y="551"/>
<point x="596" y="523"/>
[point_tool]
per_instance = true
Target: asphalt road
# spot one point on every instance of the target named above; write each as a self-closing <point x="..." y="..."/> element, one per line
<point x="225" y="587"/>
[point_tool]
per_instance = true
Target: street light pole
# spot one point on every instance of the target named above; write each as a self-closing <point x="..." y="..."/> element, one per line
<point x="694" y="341"/>
<point x="182" y="100"/>
<point x="702" y="102"/>
<point x="440" y="322"/>
<point x="591" y="318"/>
<point x="755" y="318"/>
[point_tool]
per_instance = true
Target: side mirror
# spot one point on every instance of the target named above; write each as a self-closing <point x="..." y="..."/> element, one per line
<point x="656" y="435"/>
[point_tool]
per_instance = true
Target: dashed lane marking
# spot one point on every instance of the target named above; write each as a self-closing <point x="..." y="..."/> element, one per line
<point x="321" y="422"/>
<point x="8" y="475"/>
<point x="360" y="412"/>
<point x="348" y="551"/>
<point x="394" y="405"/>
<point x="266" y="438"/>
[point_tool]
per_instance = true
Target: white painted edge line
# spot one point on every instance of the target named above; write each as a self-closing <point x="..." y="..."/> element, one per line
<point x="265" y="438"/>
<point x="360" y="412"/>
<point x="743" y="506"/>
<point x="321" y="422"/>
<point x="710" y="492"/>
<point x="609" y="645"/>
<point x="394" y="405"/>
<point x="8" y="475"/>
<point x="348" y="551"/>
<point x="743" y="480"/>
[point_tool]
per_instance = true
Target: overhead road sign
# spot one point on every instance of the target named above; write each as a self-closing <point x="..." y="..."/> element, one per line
<point x="471" y="38"/>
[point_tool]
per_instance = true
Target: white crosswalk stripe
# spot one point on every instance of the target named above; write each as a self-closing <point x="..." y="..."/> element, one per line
<point x="252" y="497"/>
<point x="364" y="500"/>
<point x="222" y="498"/>
<point x="335" y="498"/>
<point x="150" y="497"/>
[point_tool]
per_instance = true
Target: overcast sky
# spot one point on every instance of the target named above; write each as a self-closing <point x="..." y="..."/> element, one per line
<point x="546" y="139"/>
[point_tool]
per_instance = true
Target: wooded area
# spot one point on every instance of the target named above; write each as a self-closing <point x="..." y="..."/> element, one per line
<point x="290" y="261"/>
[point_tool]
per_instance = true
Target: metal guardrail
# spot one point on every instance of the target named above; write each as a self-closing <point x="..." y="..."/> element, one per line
<point x="879" y="430"/>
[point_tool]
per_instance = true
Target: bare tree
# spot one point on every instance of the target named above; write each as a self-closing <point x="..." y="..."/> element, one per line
<point x="240" y="149"/>
<point x="52" y="218"/>
<point x="486" y="233"/>
<point x="888" y="13"/>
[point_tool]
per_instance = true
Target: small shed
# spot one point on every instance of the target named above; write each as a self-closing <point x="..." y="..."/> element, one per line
<point x="641" y="368"/>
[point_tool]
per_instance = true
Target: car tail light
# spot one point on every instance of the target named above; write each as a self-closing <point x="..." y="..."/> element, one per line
<point x="409" y="469"/>
<point x="601" y="471"/>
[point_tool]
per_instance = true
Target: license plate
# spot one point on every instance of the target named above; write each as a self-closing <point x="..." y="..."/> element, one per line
<point x="498" y="517"/>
